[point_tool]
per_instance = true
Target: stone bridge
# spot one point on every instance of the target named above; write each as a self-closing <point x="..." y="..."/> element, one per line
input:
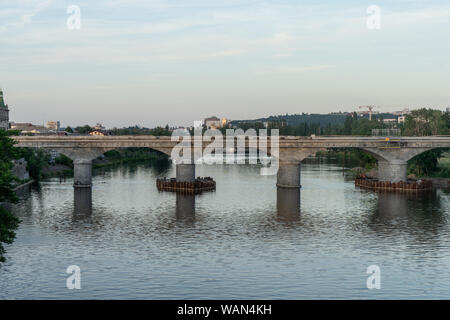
<point x="392" y="154"/>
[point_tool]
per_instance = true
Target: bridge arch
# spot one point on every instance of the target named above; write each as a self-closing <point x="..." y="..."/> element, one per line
<point x="83" y="157"/>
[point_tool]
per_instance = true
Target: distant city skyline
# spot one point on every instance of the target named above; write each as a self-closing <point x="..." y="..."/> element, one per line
<point x="153" y="63"/>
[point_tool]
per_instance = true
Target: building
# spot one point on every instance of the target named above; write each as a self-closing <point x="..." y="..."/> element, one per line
<point x="53" y="125"/>
<point x="99" y="126"/>
<point x="98" y="133"/>
<point x="403" y="112"/>
<point x="401" y="119"/>
<point x="448" y="110"/>
<point x="213" y="123"/>
<point x="225" y="122"/>
<point x="4" y="113"/>
<point x="29" y="128"/>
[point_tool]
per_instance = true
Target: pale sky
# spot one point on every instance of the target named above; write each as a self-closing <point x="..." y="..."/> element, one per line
<point x="160" y="62"/>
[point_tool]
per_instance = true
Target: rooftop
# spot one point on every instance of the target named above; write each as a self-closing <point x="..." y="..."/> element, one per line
<point x="212" y="119"/>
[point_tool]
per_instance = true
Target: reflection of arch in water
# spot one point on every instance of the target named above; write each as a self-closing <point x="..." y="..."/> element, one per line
<point x="288" y="203"/>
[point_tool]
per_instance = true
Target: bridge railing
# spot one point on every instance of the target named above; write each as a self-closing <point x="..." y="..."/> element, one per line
<point x="386" y="132"/>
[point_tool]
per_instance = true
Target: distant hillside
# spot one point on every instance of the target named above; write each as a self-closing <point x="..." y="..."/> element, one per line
<point x="322" y="120"/>
<point x="295" y="119"/>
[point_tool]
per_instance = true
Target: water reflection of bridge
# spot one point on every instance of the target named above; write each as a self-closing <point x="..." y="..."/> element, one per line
<point x="288" y="204"/>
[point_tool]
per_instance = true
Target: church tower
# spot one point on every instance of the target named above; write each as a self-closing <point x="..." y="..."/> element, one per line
<point x="4" y="113"/>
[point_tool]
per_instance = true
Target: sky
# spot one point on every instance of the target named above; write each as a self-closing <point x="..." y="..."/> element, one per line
<point x="158" y="62"/>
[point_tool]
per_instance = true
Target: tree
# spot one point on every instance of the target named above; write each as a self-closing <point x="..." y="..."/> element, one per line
<point x="84" y="129"/>
<point x="36" y="159"/>
<point x="425" y="122"/>
<point x="364" y="126"/>
<point x="8" y="222"/>
<point x="348" y="124"/>
<point x="426" y="162"/>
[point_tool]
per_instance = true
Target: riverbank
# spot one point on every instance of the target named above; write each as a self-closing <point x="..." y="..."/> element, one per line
<point x="23" y="185"/>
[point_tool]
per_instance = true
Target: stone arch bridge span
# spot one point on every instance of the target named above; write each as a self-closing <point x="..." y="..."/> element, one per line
<point x="392" y="153"/>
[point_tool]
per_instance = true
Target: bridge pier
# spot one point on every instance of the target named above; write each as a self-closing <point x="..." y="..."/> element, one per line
<point x="82" y="173"/>
<point x="185" y="172"/>
<point x="392" y="170"/>
<point x="288" y="175"/>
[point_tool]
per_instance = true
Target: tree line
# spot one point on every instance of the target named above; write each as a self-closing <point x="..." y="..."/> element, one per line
<point x="8" y="222"/>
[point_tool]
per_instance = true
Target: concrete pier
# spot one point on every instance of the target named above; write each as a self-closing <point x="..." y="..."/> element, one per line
<point x="185" y="172"/>
<point x="288" y="175"/>
<point x="393" y="171"/>
<point x="82" y="173"/>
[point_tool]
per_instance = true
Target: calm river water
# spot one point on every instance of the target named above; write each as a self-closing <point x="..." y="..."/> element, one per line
<point x="243" y="241"/>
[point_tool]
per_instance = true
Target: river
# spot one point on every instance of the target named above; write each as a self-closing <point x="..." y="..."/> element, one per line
<point x="243" y="241"/>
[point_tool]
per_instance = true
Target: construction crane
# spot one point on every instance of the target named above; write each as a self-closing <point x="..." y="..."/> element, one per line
<point x="370" y="108"/>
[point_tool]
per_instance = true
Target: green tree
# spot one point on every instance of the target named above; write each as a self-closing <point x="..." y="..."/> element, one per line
<point x="36" y="159"/>
<point x="8" y="222"/>
<point x="364" y="127"/>
<point x="348" y="123"/>
<point x="425" y="122"/>
<point x="84" y="129"/>
<point x="425" y="163"/>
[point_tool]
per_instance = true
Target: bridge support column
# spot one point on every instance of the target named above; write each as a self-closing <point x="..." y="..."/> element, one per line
<point x="288" y="175"/>
<point x="185" y="172"/>
<point x="82" y="173"/>
<point x="393" y="170"/>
